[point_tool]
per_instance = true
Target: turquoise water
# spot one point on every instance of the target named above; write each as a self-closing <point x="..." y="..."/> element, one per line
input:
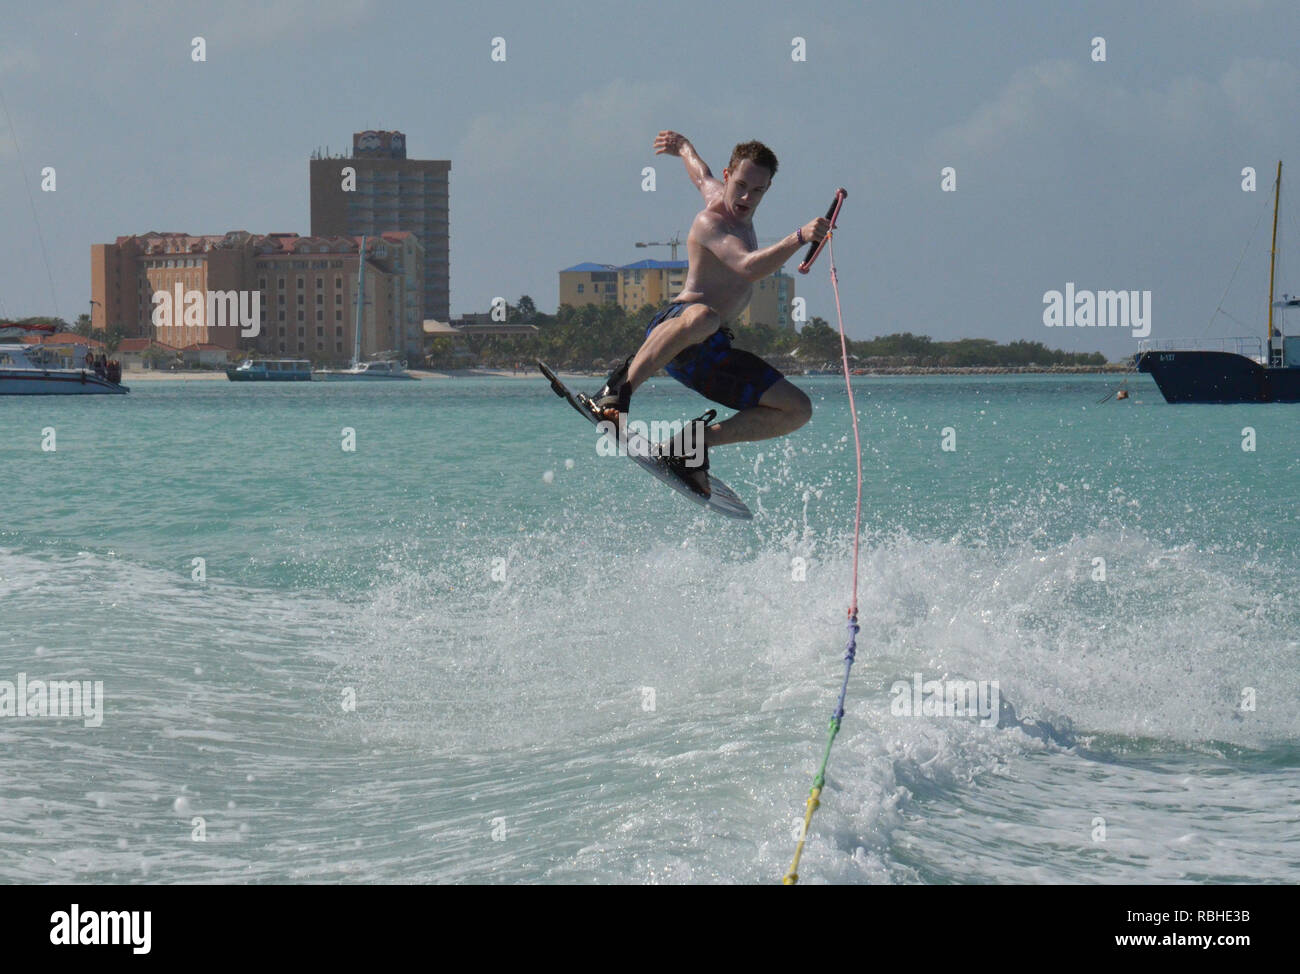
<point x="564" y="673"/>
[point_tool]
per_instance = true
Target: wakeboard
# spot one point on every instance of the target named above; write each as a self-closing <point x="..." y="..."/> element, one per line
<point x="722" y="499"/>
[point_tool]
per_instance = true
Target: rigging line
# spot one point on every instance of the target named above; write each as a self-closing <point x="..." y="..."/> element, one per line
<point x="792" y="876"/>
<point x="31" y="202"/>
<point x="1229" y="314"/>
<point x="1249" y="240"/>
<point x="1282" y="252"/>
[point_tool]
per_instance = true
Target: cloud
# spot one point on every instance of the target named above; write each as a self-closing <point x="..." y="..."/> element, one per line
<point x="234" y="23"/>
<point x="1262" y="93"/>
<point x="1017" y="109"/>
<point x="549" y="137"/>
<point x="18" y="60"/>
<point x="1073" y="99"/>
<point x="1232" y="7"/>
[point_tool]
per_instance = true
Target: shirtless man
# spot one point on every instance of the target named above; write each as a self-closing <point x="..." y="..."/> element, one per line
<point x="689" y="337"/>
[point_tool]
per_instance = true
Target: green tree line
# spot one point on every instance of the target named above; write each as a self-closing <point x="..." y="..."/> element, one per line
<point x="594" y="336"/>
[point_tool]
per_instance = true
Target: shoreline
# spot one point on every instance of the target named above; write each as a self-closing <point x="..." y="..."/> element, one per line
<point x="149" y="375"/>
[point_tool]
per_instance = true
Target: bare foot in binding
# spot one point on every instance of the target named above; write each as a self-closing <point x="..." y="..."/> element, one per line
<point x="614" y="400"/>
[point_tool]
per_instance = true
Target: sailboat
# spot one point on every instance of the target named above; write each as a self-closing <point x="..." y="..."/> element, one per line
<point x="1249" y="372"/>
<point x="379" y="369"/>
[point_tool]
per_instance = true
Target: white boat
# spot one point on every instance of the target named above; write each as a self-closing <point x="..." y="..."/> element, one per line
<point x="31" y="370"/>
<point x="359" y="370"/>
<point x="365" y="370"/>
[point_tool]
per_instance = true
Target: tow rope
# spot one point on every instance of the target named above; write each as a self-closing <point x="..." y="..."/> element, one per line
<point x="792" y="877"/>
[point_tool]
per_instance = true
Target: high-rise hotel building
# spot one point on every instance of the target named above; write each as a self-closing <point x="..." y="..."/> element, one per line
<point x="377" y="189"/>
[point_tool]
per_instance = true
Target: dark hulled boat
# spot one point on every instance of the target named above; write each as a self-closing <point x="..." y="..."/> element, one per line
<point x="1250" y="372"/>
<point x="1202" y="375"/>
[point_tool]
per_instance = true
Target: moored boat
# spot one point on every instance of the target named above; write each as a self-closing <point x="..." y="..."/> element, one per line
<point x="366" y="370"/>
<point x="270" y="370"/>
<point x="32" y="370"/>
<point x="1240" y="370"/>
<point x="359" y="370"/>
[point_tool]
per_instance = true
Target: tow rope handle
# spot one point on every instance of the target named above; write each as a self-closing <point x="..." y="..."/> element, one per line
<point x="832" y="214"/>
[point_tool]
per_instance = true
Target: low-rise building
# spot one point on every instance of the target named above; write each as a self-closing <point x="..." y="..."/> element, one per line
<point x="657" y="282"/>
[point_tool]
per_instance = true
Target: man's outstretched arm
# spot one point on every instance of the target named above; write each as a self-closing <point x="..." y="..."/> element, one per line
<point x="753" y="265"/>
<point x="679" y="145"/>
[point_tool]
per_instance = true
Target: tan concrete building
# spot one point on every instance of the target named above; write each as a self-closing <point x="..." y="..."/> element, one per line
<point x="653" y="282"/>
<point x="306" y="290"/>
<point x="656" y="282"/>
<point x="376" y="189"/>
<point x="125" y="275"/>
<point x="589" y="283"/>
<point x="770" y="302"/>
<point x="309" y="304"/>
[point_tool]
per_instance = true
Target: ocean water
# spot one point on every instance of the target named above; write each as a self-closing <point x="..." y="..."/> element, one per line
<point x="473" y="650"/>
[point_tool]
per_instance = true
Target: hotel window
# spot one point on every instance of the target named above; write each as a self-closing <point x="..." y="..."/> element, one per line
<point x="338" y="346"/>
<point x="300" y="301"/>
<point x="302" y="283"/>
<point x="338" y="315"/>
<point x="282" y="316"/>
<point x="280" y="300"/>
<point x="320" y="333"/>
<point x="338" y="282"/>
<point x="282" y="287"/>
<point x="338" y="299"/>
<point x="320" y="315"/>
<point x="320" y="283"/>
<point x="579" y="288"/>
<point x="300" y="316"/>
<point x="261" y="284"/>
<point x="282" y="345"/>
<point x="300" y="334"/>
<point x="320" y="298"/>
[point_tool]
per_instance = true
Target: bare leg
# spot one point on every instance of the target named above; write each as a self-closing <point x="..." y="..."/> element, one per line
<point x="691" y="327"/>
<point x="780" y="410"/>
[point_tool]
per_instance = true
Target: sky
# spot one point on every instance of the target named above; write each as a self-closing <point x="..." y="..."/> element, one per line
<point x="1122" y="174"/>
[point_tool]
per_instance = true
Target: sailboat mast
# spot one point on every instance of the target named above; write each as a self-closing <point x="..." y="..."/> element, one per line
<point x="1272" y="260"/>
<point x="361" y="301"/>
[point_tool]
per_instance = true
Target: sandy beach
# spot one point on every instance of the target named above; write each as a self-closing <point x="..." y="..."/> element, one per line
<point x="208" y="375"/>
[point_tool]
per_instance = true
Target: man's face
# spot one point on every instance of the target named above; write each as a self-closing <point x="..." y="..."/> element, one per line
<point x="746" y="187"/>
